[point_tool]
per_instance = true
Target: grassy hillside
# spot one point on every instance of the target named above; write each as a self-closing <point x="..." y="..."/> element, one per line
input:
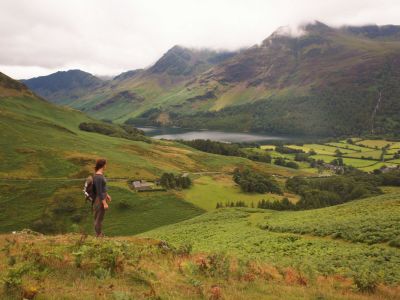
<point x="320" y="240"/>
<point x="79" y="267"/>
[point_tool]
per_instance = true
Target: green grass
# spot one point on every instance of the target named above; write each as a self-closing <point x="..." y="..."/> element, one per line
<point x="320" y="149"/>
<point x="19" y="207"/>
<point x="393" y="161"/>
<point x="344" y="146"/>
<point x="26" y="202"/>
<point x="236" y="231"/>
<point x="78" y="267"/>
<point x="371" y="220"/>
<point x="146" y="211"/>
<point x="207" y="191"/>
<point x="357" y="163"/>
<point x="374" y="143"/>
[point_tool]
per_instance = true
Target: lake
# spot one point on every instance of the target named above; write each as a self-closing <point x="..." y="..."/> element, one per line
<point x="220" y="136"/>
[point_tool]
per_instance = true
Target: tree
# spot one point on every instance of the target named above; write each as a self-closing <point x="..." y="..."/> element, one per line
<point x="338" y="153"/>
<point x="251" y="181"/>
<point x="292" y="164"/>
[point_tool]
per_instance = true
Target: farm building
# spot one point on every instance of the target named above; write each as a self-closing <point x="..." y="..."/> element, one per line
<point x="390" y="168"/>
<point x="333" y="168"/>
<point x="142" y="185"/>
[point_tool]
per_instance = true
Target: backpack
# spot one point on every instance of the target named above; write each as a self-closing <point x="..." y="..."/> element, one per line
<point x="88" y="190"/>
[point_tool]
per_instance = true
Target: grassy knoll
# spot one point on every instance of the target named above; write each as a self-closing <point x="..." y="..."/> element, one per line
<point x="241" y="232"/>
<point x="207" y="191"/>
<point x="78" y="267"/>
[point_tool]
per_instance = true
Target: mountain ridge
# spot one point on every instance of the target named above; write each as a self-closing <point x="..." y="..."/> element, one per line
<point x="295" y="80"/>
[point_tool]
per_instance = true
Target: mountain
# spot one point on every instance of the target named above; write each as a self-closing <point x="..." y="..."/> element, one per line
<point x="327" y="81"/>
<point x="133" y="92"/>
<point x="323" y="81"/>
<point x="64" y="85"/>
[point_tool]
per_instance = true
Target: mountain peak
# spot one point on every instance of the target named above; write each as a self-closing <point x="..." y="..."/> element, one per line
<point x="7" y="82"/>
<point x="73" y="82"/>
<point x="180" y="60"/>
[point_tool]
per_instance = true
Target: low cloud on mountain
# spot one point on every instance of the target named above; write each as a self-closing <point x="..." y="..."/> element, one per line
<point x="108" y="37"/>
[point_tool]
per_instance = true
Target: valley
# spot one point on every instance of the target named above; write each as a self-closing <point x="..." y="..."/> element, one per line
<point x="276" y="167"/>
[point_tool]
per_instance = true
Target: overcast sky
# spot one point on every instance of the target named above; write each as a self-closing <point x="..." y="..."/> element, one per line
<point x="106" y="37"/>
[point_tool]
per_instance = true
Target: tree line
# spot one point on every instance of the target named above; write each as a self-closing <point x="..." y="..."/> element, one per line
<point x="322" y="192"/>
<point x="253" y="182"/>
<point x="228" y="149"/>
<point x="172" y="181"/>
<point x="122" y="131"/>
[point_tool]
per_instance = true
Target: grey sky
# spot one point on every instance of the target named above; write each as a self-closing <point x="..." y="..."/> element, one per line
<point x="38" y="37"/>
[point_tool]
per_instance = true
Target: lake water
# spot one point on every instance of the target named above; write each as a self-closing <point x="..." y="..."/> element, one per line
<point x="220" y="136"/>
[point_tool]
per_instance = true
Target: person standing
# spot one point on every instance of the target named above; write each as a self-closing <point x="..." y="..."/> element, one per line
<point x="102" y="198"/>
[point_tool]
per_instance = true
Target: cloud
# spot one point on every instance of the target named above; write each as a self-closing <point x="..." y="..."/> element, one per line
<point x="108" y="37"/>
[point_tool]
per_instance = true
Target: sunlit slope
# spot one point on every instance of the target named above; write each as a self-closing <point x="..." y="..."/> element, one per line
<point x="39" y="139"/>
<point x="319" y="238"/>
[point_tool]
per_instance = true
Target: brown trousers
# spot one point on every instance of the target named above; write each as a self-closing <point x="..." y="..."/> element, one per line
<point x="99" y="212"/>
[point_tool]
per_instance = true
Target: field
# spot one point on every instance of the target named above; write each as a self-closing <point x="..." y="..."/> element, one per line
<point x="207" y="191"/>
<point x="302" y="238"/>
<point x="362" y="154"/>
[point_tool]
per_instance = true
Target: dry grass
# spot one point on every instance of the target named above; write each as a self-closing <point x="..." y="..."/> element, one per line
<point x="160" y="274"/>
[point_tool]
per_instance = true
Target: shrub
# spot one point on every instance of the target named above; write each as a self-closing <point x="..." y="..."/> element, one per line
<point x="365" y="281"/>
<point x="123" y="205"/>
<point x="287" y="150"/>
<point x="395" y="243"/>
<point x="64" y="206"/>
<point x="292" y="164"/>
<point x="77" y="218"/>
<point x="215" y="265"/>
<point x="45" y="224"/>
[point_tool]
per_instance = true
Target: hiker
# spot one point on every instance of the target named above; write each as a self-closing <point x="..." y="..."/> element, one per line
<point x="102" y="198"/>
